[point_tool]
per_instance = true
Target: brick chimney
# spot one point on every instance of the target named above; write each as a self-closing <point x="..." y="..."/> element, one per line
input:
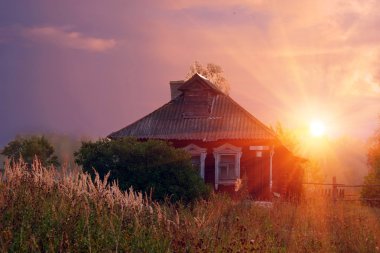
<point x="174" y="85"/>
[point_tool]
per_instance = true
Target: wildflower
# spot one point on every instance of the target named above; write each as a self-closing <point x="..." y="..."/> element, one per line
<point x="238" y="184"/>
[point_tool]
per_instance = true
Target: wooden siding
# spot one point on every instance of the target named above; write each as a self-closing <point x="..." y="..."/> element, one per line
<point x="254" y="169"/>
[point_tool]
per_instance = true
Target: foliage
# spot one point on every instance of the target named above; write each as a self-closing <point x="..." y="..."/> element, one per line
<point x="45" y="210"/>
<point x="28" y="148"/>
<point x="212" y="72"/>
<point x="291" y="139"/>
<point x="149" y="165"/>
<point x="288" y="138"/>
<point x="373" y="156"/>
<point x="370" y="193"/>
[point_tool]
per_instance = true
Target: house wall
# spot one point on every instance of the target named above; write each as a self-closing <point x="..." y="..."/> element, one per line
<point x="288" y="173"/>
<point x="256" y="170"/>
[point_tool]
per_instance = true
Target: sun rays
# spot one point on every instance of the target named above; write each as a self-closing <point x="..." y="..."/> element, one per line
<point x="317" y="128"/>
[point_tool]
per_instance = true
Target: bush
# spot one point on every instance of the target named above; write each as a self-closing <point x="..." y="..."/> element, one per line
<point x="371" y="193"/>
<point x="152" y="166"/>
<point x="28" y="148"/>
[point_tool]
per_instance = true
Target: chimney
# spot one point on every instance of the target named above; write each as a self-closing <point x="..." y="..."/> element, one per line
<point x="174" y="85"/>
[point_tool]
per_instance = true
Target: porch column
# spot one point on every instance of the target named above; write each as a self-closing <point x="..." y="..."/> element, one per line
<point x="203" y="158"/>
<point x="271" y="168"/>
<point x="216" y="156"/>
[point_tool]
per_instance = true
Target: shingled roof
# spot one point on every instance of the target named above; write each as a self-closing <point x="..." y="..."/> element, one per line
<point x="225" y="118"/>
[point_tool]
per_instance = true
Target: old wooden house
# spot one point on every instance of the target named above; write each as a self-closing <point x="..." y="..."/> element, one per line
<point x="225" y="141"/>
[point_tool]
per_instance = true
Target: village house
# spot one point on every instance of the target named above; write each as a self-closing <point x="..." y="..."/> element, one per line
<point x="225" y="141"/>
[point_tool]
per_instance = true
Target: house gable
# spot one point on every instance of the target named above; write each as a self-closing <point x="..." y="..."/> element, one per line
<point x="195" y="85"/>
<point x="198" y="97"/>
<point x="199" y="83"/>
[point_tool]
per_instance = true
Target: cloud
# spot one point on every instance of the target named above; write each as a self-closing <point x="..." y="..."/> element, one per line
<point x="317" y="54"/>
<point x="69" y="39"/>
<point x="279" y="57"/>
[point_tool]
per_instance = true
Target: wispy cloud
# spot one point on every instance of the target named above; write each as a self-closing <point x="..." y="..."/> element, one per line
<point x="321" y="52"/>
<point x="65" y="38"/>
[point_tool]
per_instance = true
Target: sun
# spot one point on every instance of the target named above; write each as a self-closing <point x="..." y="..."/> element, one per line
<point x="317" y="128"/>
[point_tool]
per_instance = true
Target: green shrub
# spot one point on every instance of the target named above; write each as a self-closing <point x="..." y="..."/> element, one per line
<point x="30" y="147"/>
<point x="371" y="190"/>
<point x="152" y="166"/>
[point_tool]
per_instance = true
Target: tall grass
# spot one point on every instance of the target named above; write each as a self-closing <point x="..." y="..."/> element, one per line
<point x="46" y="210"/>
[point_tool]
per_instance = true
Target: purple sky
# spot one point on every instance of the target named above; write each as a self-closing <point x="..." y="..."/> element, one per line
<point x="92" y="67"/>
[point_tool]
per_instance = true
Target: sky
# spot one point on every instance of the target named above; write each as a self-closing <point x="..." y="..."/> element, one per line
<point x="92" y="67"/>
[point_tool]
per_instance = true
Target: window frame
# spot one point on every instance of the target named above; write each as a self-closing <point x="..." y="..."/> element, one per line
<point x="226" y="149"/>
<point x="195" y="150"/>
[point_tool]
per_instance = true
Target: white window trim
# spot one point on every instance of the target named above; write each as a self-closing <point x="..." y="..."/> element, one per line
<point x="259" y="148"/>
<point x="226" y="149"/>
<point x="195" y="150"/>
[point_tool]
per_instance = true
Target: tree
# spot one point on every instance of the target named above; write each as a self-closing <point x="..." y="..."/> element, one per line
<point x="292" y="140"/>
<point x="373" y="156"/>
<point x="288" y="137"/>
<point x="212" y="72"/>
<point x="146" y="166"/>
<point x="30" y="147"/>
<point x="369" y="191"/>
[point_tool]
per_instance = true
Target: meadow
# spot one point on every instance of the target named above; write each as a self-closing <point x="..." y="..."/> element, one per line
<point x="50" y="210"/>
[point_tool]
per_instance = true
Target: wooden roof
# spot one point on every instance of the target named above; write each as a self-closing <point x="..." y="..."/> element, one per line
<point x="225" y="119"/>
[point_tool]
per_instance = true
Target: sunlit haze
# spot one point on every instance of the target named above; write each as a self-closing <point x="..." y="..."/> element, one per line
<point x="92" y="67"/>
<point x="317" y="128"/>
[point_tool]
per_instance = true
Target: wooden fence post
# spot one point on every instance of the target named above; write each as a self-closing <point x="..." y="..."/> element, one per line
<point x="334" y="189"/>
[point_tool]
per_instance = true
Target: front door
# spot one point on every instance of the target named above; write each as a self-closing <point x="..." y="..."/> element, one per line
<point x="258" y="175"/>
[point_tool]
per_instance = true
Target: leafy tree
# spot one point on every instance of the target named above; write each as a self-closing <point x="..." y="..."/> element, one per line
<point x="213" y="72"/>
<point x="288" y="137"/>
<point x="146" y="166"/>
<point x="373" y="156"/>
<point x="29" y="148"/>
<point x="291" y="139"/>
<point x="373" y="178"/>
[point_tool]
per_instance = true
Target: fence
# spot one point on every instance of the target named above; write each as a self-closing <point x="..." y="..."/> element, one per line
<point x="337" y="191"/>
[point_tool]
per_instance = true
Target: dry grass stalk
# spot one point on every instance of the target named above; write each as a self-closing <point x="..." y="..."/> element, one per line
<point x="50" y="210"/>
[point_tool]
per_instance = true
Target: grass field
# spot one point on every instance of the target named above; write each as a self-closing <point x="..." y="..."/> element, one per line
<point x="46" y="210"/>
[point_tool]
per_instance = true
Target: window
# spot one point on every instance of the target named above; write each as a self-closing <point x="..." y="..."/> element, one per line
<point x="198" y="156"/>
<point x="196" y="162"/>
<point x="227" y="164"/>
<point x="227" y="167"/>
<point x="197" y="104"/>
